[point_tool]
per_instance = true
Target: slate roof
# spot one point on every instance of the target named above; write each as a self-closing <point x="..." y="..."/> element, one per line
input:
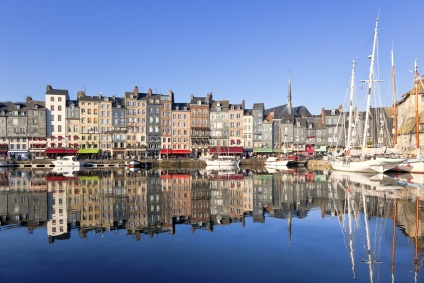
<point x="284" y="110"/>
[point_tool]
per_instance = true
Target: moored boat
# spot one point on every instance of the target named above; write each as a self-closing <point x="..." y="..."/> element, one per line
<point x="223" y="161"/>
<point x="68" y="161"/>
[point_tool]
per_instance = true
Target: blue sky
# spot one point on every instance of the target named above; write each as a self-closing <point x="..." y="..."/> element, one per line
<point x="235" y="49"/>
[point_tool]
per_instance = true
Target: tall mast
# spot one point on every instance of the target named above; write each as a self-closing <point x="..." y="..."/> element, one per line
<point x="394" y="100"/>
<point x="352" y="89"/>
<point x="417" y="125"/>
<point x="370" y="84"/>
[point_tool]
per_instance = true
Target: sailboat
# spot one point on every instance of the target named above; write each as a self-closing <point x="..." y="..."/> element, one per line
<point x="222" y="161"/>
<point x="415" y="165"/>
<point x="362" y="161"/>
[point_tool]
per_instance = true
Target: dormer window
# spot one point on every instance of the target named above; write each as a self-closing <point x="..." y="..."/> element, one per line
<point x="218" y="104"/>
<point x="199" y="102"/>
<point x="333" y="112"/>
<point x="176" y="108"/>
<point x="17" y="106"/>
<point x="185" y="108"/>
<point x="106" y="98"/>
<point x="35" y="106"/>
<point x="131" y="96"/>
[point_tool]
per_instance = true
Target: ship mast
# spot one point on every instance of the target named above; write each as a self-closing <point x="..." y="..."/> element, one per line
<point x="417" y="125"/>
<point x="352" y="88"/>
<point x="370" y="84"/>
<point x="394" y="101"/>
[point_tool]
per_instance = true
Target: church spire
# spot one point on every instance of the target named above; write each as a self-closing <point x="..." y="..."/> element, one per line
<point x="289" y="96"/>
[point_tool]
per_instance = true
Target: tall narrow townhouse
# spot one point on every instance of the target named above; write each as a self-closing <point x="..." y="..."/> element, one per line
<point x="167" y="102"/>
<point x="258" y="116"/>
<point x="90" y="134"/>
<point x="73" y="124"/>
<point x="57" y="196"/>
<point x="134" y="116"/>
<point x="119" y="128"/>
<point x="200" y="124"/>
<point x="105" y="125"/>
<point x="36" y="112"/>
<point x="180" y="130"/>
<point x="236" y="137"/>
<point x="153" y="135"/>
<point x="248" y="131"/>
<point x="219" y="127"/>
<point x="56" y="113"/>
<point x="299" y="143"/>
<point x="15" y="132"/>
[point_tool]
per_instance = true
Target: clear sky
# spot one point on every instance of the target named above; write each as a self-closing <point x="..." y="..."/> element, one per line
<point x="239" y="49"/>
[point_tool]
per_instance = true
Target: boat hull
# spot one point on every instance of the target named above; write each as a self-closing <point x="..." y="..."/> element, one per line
<point x="366" y="166"/>
<point x="135" y="164"/>
<point x="222" y="163"/>
<point x="410" y="166"/>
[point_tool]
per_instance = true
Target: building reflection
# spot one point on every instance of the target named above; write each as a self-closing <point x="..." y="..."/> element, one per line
<point x="154" y="202"/>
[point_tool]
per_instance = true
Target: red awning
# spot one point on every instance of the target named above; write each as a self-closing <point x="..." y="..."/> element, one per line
<point x="70" y="151"/>
<point x="52" y="137"/>
<point x="75" y="136"/>
<point x="75" y="144"/>
<point x="165" y="151"/>
<point x="52" y="143"/>
<point x="180" y="151"/>
<point x="53" y="151"/>
<point x="59" y="137"/>
<point x="238" y="141"/>
<point x="234" y="149"/>
<point x="232" y="141"/>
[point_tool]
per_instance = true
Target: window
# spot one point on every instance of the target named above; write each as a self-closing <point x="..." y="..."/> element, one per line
<point x="59" y="117"/>
<point x="51" y="98"/>
<point x="59" y="99"/>
<point x="51" y="107"/>
<point x="59" y="107"/>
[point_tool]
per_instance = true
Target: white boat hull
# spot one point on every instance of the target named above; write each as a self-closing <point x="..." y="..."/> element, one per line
<point x="222" y="163"/>
<point x="134" y="164"/>
<point x="411" y="166"/>
<point x="68" y="161"/>
<point x="366" y="166"/>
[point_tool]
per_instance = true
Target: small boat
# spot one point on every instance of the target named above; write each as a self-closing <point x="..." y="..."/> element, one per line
<point x="134" y="164"/>
<point x="276" y="162"/>
<point x="3" y="164"/>
<point x="68" y="161"/>
<point x="223" y="161"/>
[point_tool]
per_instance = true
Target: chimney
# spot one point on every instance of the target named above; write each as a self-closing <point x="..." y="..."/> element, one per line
<point x="191" y="97"/>
<point x="149" y="92"/>
<point x="136" y="91"/>
<point x="100" y="95"/>
<point x="323" y="115"/>
<point x="28" y="99"/>
<point x="341" y="108"/>
<point x="171" y="94"/>
<point x="242" y="104"/>
<point x="113" y="98"/>
<point x="49" y="88"/>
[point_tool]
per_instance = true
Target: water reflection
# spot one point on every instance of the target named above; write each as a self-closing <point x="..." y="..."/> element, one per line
<point x="145" y="203"/>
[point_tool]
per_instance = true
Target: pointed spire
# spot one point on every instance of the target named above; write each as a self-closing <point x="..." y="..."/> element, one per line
<point x="289" y="96"/>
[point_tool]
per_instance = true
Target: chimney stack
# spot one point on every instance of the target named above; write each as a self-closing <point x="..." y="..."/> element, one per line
<point x="242" y="104"/>
<point x="48" y="88"/>
<point x="323" y="115"/>
<point x="191" y="97"/>
<point x="149" y="92"/>
<point x="100" y="95"/>
<point x="28" y="99"/>
<point x="136" y="91"/>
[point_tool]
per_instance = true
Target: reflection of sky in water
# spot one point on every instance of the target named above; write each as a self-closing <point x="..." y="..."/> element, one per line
<point x="311" y="247"/>
<point x="257" y="252"/>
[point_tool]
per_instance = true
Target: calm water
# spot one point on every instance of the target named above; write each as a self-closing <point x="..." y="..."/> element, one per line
<point x="203" y="226"/>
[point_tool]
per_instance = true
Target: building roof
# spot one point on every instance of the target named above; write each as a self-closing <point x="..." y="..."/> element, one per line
<point x="285" y="110"/>
<point x="258" y="106"/>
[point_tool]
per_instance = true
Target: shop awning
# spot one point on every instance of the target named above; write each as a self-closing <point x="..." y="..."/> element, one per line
<point x="53" y="151"/>
<point x="234" y="149"/>
<point x="70" y="151"/>
<point x="180" y="151"/>
<point x="165" y="151"/>
<point x="88" y="151"/>
<point x="262" y="149"/>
